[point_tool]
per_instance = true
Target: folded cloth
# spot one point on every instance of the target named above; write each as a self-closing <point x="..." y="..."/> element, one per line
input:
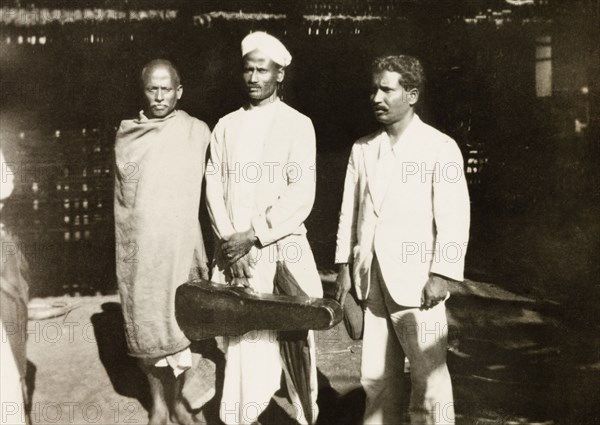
<point x="159" y="171"/>
<point x="199" y="385"/>
<point x="179" y="362"/>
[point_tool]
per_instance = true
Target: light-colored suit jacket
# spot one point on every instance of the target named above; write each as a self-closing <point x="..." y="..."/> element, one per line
<point x="418" y="225"/>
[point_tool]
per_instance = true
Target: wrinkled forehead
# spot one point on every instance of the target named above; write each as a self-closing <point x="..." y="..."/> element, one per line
<point x="386" y="78"/>
<point x="160" y="74"/>
<point x="258" y="58"/>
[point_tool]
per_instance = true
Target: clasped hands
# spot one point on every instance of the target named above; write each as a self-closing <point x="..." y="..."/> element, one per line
<point x="235" y="251"/>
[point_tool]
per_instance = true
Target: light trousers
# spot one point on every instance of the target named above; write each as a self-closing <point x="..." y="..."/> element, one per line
<point x="391" y="333"/>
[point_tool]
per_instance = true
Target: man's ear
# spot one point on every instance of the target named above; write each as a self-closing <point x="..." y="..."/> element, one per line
<point x="413" y="97"/>
<point x="179" y="91"/>
<point x="280" y="75"/>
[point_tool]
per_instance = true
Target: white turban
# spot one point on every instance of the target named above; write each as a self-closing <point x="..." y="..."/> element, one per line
<point x="267" y="44"/>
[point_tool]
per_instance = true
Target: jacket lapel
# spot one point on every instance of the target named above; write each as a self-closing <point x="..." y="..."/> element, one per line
<point x="370" y="151"/>
<point x="396" y="176"/>
<point x="400" y="150"/>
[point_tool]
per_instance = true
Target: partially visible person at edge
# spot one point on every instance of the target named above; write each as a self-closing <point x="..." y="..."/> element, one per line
<point x="259" y="192"/>
<point x="160" y="161"/>
<point x="14" y="295"/>
<point x="402" y="238"/>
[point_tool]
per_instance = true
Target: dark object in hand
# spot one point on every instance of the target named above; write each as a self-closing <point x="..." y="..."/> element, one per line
<point x="354" y="317"/>
<point x="205" y="309"/>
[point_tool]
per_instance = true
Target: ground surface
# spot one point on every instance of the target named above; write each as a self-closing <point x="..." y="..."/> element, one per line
<point x="513" y="360"/>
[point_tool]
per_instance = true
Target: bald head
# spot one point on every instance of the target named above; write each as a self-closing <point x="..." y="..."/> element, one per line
<point x="162" y="88"/>
<point x="160" y="63"/>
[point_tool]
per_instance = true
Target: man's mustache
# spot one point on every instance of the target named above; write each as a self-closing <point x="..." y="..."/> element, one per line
<point x="258" y="86"/>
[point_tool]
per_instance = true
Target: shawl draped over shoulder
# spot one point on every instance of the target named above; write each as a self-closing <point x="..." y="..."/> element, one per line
<point x="159" y="170"/>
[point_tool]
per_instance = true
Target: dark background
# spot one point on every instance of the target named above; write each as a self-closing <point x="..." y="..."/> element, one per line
<point x="535" y="199"/>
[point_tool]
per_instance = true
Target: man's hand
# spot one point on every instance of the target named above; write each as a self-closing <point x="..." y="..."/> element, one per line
<point x="343" y="283"/>
<point x="240" y="270"/>
<point x="238" y="245"/>
<point x="240" y="281"/>
<point x="434" y="292"/>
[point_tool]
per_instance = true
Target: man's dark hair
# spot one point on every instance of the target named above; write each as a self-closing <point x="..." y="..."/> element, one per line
<point x="161" y="63"/>
<point x="409" y="68"/>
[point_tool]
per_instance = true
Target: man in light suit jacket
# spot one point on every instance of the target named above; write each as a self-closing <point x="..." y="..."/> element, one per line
<point x="402" y="236"/>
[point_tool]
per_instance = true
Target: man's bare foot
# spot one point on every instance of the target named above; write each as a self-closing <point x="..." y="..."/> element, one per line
<point x="159" y="412"/>
<point x="181" y="415"/>
<point x="158" y="416"/>
<point x="181" y="412"/>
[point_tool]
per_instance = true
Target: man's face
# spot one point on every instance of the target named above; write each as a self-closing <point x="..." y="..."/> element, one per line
<point x="390" y="101"/>
<point x="261" y="76"/>
<point x="161" y="92"/>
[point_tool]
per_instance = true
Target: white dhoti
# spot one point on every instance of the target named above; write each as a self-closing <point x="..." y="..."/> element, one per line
<point x="248" y="177"/>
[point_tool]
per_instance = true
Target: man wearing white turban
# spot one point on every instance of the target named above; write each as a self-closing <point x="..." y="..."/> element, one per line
<point x="269" y="45"/>
<point x="260" y="189"/>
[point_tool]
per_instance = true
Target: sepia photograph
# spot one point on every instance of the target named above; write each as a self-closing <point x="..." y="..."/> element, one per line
<point x="310" y="212"/>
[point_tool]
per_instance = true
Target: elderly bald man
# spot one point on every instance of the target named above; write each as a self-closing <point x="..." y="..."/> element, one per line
<point x="260" y="189"/>
<point x="159" y="171"/>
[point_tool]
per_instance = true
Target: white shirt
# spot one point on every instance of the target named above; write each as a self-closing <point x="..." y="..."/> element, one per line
<point x="385" y="168"/>
<point x="389" y="155"/>
<point x="248" y="167"/>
